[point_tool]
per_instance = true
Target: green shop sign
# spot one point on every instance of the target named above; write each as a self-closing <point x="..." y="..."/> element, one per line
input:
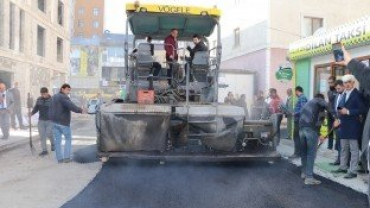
<point x="352" y="34"/>
<point x="284" y="74"/>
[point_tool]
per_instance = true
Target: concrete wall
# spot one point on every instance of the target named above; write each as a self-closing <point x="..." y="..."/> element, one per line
<point x="255" y="62"/>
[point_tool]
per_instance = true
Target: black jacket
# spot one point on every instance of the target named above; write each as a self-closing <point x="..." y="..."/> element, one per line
<point x="42" y="106"/>
<point x="198" y="47"/>
<point x="61" y="107"/>
<point x="362" y="74"/>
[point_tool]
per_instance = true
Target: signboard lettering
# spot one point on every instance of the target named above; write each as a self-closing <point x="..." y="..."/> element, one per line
<point x="174" y="9"/>
<point x="309" y="46"/>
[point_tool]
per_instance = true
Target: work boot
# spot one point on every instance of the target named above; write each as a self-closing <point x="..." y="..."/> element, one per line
<point x="303" y="175"/>
<point x="335" y="163"/>
<point x="43" y="153"/>
<point x="350" y="175"/>
<point x="311" y="181"/>
<point x="67" y="160"/>
<point x="339" y="171"/>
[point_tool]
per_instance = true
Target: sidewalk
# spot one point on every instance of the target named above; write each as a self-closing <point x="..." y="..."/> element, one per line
<point x="18" y="138"/>
<point x="323" y="168"/>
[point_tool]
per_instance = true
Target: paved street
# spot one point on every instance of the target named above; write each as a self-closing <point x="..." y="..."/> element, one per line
<point x="248" y="184"/>
<point x="118" y="183"/>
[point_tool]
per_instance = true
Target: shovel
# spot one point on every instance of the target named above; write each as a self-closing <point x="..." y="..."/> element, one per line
<point x="29" y="106"/>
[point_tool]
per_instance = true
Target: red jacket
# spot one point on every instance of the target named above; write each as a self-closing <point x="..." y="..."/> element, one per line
<point x="171" y="47"/>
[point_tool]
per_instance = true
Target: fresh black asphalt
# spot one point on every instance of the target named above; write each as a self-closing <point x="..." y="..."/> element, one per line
<point x="135" y="184"/>
<point x="146" y="184"/>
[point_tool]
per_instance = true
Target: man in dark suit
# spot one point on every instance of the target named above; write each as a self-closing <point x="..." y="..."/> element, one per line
<point x="6" y="106"/>
<point x="350" y="108"/>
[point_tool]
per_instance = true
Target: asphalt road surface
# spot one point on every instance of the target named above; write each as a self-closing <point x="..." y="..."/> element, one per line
<point x="138" y="184"/>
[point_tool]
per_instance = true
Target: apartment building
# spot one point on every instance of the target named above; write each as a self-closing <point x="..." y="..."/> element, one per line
<point x="35" y="44"/>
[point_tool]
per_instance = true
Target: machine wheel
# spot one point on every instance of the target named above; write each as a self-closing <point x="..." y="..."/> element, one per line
<point x="104" y="159"/>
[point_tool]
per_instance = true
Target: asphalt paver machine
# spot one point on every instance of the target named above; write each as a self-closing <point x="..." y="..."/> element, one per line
<point x="181" y="120"/>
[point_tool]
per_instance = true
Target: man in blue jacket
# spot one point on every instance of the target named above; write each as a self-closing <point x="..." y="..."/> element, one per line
<point x="60" y="116"/>
<point x="350" y="108"/>
<point x="301" y="101"/>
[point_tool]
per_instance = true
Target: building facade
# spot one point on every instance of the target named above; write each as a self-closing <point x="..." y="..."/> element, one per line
<point x="98" y="64"/>
<point x="89" y="18"/>
<point x="34" y="44"/>
<point x="260" y="42"/>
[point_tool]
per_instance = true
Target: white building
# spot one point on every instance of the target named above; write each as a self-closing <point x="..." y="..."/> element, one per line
<point x="256" y="33"/>
<point x="35" y="43"/>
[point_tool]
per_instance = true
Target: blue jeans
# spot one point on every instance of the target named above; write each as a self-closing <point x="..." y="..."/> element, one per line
<point x="309" y="139"/>
<point x="58" y="131"/>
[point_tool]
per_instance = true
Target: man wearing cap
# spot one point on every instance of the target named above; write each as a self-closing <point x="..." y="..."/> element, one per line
<point x="350" y="108"/>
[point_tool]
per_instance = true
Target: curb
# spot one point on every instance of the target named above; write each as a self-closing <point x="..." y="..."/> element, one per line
<point x="14" y="145"/>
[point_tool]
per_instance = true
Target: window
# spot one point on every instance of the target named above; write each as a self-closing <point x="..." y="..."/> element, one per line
<point x="95" y="36"/>
<point x="322" y="74"/>
<point x="60" y="50"/>
<point x="96" y="24"/>
<point x="96" y="12"/>
<point x="60" y="13"/>
<point x="11" y="25"/>
<point x="1" y="22"/>
<point x="310" y="25"/>
<point x="237" y="37"/>
<point x="40" y="41"/>
<point x="80" y="23"/>
<point x="41" y="5"/>
<point x="22" y="20"/>
<point x="114" y="54"/>
<point x="80" y="35"/>
<point x="81" y="11"/>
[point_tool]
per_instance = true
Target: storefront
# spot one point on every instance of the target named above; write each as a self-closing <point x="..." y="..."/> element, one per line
<point x="313" y="59"/>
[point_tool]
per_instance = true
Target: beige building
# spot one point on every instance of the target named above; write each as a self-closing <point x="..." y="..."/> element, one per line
<point x="89" y="18"/>
<point x="256" y="33"/>
<point x="35" y="43"/>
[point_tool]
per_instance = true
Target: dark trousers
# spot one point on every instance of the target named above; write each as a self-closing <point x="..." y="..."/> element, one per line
<point x="296" y="139"/>
<point x="169" y="74"/>
<point x="331" y="135"/>
<point x="309" y="139"/>
<point x="156" y="68"/>
<point x="337" y="144"/>
<point x="17" y="113"/>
